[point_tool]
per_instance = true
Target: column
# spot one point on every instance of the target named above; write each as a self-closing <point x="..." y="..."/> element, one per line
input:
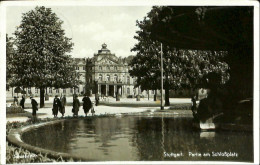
<point x="114" y="90"/>
<point x="99" y="89"/>
<point x="107" y="90"/>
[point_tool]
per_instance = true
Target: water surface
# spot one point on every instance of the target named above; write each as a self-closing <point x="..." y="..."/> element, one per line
<point x="135" y="138"/>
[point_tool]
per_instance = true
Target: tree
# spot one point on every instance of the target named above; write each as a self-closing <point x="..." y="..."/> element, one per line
<point x="182" y="68"/>
<point x="41" y="59"/>
<point x="9" y="56"/>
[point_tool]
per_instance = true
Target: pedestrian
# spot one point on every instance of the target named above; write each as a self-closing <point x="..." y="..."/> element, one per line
<point x="76" y="105"/>
<point x="63" y="104"/>
<point x="56" y="106"/>
<point x="22" y="102"/>
<point x="87" y="104"/>
<point x="15" y="101"/>
<point x="97" y="99"/>
<point x="34" y="108"/>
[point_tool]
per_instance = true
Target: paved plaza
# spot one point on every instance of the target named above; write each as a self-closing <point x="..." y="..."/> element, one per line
<point x="46" y="112"/>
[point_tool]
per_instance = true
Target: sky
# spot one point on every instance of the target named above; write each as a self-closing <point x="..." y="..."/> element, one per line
<point x="91" y="26"/>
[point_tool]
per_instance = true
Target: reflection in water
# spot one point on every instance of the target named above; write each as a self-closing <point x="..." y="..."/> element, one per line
<point x="140" y="138"/>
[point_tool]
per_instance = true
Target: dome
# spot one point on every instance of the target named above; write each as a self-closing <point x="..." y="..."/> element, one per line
<point x="104" y="46"/>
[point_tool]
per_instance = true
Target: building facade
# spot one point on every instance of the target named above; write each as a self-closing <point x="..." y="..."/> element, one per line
<point x="104" y="73"/>
<point x="108" y="74"/>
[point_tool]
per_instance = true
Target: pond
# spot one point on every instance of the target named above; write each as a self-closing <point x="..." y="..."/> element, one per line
<point x="136" y="138"/>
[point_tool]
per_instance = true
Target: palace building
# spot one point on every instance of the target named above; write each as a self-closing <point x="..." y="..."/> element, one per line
<point x="108" y="74"/>
<point x="104" y="73"/>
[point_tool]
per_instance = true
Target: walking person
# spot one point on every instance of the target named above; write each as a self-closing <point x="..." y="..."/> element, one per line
<point x="56" y="106"/>
<point x="76" y="105"/>
<point x="86" y="104"/>
<point x="15" y="101"/>
<point x="34" y="108"/>
<point x="22" y="102"/>
<point x="63" y="104"/>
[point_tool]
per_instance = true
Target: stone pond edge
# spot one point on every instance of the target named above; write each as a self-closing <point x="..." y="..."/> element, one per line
<point x="14" y="137"/>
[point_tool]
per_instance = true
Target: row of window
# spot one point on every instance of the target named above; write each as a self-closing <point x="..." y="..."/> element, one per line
<point x="100" y="68"/>
<point x="100" y="78"/>
<point x="57" y="90"/>
<point x="108" y="67"/>
<point x="84" y="67"/>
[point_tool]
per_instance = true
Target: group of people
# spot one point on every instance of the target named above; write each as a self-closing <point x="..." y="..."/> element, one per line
<point x="59" y="105"/>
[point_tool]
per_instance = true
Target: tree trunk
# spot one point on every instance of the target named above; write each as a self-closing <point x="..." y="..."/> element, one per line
<point x="167" y="91"/>
<point x="167" y="94"/>
<point x="41" y="97"/>
<point x="155" y="95"/>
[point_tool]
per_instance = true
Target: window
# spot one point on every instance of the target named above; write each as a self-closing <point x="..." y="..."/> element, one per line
<point x="100" y="77"/>
<point x="64" y="90"/>
<point x="108" y="67"/>
<point x="100" y="67"/>
<point x="128" y="79"/>
<point x="115" y="67"/>
<point x="50" y="90"/>
<point x="84" y="67"/>
<point x="57" y="91"/>
<point x="77" y="68"/>
<point x="128" y="91"/>
<point x="71" y="90"/>
<point x="108" y="78"/>
<point x="115" y="78"/>
<point x="36" y="90"/>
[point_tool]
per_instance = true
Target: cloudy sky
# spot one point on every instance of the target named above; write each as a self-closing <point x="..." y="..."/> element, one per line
<point x="91" y="26"/>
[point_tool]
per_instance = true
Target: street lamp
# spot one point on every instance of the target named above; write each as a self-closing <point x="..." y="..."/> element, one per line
<point x="162" y="107"/>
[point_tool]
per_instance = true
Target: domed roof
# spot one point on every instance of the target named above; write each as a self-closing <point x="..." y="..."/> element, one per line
<point x="104" y="46"/>
<point x="104" y="49"/>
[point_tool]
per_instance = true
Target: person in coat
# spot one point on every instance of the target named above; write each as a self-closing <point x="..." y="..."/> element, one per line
<point x="22" y="102"/>
<point x="63" y="104"/>
<point x="34" y="108"/>
<point x="86" y="104"/>
<point x="76" y="105"/>
<point x="56" y="106"/>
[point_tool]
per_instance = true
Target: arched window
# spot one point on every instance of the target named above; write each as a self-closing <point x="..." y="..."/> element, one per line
<point x="128" y="91"/>
<point x="128" y="79"/>
<point x="100" y="77"/>
<point x="115" y="78"/>
<point x="108" y="78"/>
<point x="100" y="67"/>
<point x="108" y="67"/>
<point x="115" y="68"/>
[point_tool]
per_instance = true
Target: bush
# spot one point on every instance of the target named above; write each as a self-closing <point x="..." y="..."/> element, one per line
<point x="14" y="109"/>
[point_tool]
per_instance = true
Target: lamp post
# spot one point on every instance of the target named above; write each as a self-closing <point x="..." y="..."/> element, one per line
<point x="162" y="107"/>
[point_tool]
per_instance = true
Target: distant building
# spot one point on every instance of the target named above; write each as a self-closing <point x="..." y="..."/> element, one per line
<point x="108" y="74"/>
<point x="105" y="73"/>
